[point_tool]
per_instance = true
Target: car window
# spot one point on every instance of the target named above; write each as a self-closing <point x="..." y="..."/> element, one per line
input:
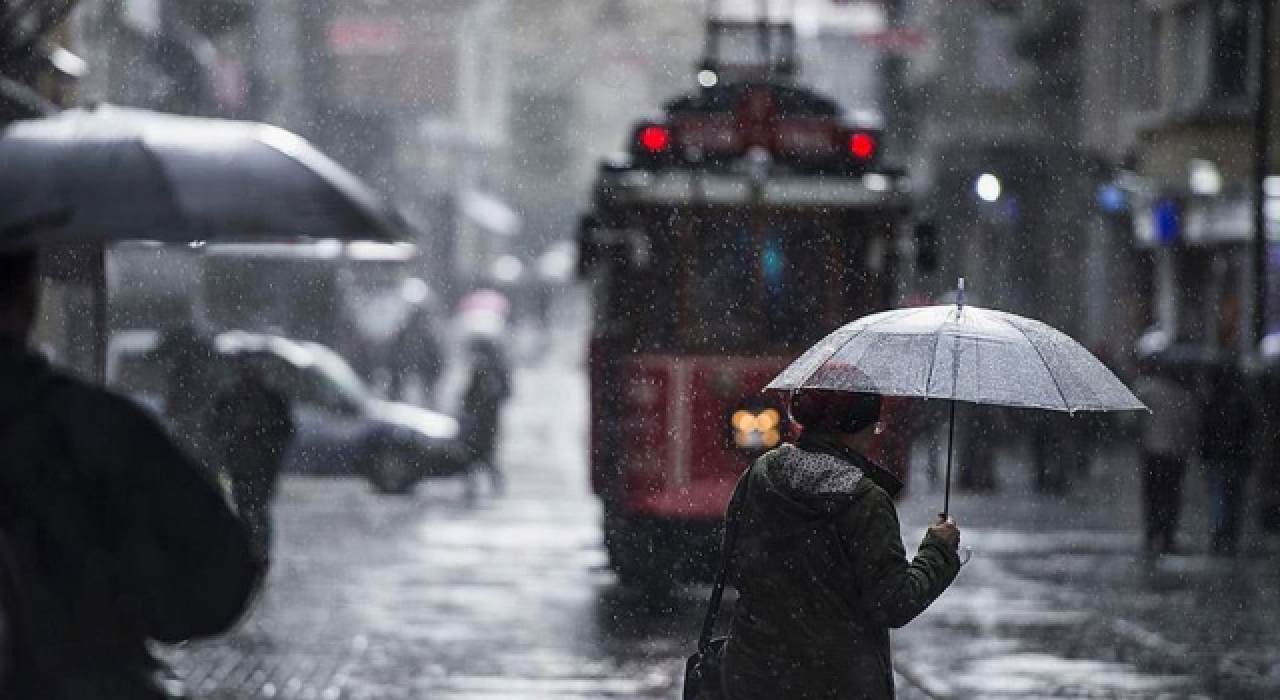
<point x="317" y="389"/>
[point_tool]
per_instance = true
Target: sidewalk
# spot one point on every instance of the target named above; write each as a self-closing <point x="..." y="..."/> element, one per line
<point x="1059" y="601"/>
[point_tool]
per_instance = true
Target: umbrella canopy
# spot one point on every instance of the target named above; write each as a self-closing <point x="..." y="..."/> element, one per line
<point x="110" y="174"/>
<point x="960" y="353"/>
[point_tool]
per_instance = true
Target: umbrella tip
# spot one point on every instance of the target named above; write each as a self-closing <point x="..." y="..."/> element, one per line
<point x="960" y="293"/>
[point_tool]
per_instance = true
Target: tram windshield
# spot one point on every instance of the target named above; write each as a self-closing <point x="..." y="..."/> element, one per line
<point x="744" y="282"/>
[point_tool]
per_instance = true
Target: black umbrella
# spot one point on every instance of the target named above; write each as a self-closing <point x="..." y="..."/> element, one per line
<point x="107" y="174"/>
<point x="111" y="174"/>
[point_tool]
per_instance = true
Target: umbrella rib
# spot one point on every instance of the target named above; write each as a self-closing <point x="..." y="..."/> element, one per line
<point x="1048" y="371"/>
<point x="166" y="183"/>
<point x="933" y="362"/>
<point x="887" y="317"/>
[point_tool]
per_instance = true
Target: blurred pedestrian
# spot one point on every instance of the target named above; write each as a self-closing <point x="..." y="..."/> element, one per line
<point x="417" y="357"/>
<point x="488" y="387"/>
<point x="1170" y="437"/>
<point x="253" y="425"/>
<point x="819" y="562"/>
<point x="1226" y="451"/>
<point x="118" y="538"/>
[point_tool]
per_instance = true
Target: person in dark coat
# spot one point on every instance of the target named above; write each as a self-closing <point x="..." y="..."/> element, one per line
<point x="820" y="567"/>
<point x="488" y="388"/>
<point x="1170" y="438"/>
<point x="1226" y="451"/>
<point x="253" y="424"/>
<point x="118" y="537"/>
<point x="416" y="356"/>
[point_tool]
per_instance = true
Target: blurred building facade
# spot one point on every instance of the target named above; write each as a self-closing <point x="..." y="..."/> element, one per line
<point x="995" y="95"/>
<point x="1192" y="112"/>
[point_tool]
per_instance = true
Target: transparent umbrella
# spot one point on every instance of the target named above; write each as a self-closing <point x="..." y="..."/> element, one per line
<point x="960" y="353"/>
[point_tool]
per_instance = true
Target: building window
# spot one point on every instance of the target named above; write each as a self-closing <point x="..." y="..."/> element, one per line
<point x="1210" y="45"/>
<point x="1232" y="77"/>
<point x="1189" y="38"/>
<point x="1140" y="31"/>
<point x="997" y="65"/>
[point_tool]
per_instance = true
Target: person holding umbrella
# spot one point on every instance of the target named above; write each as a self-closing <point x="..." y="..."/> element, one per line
<point x="821" y="568"/>
<point x="820" y="565"/>
<point x="117" y="538"/>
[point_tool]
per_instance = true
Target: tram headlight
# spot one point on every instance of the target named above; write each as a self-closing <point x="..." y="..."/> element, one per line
<point x="756" y="429"/>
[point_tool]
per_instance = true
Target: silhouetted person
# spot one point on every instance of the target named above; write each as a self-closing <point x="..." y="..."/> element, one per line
<point x="252" y="425"/>
<point x="118" y="537"/>
<point x="1226" y="450"/>
<point x="1170" y="437"/>
<point x="488" y="387"/>
<point x="416" y="354"/>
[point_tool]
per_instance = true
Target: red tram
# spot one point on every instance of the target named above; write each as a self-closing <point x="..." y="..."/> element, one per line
<point x="751" y="219"/>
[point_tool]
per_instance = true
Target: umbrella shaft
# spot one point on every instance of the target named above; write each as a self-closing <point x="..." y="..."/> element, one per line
<point x="951" y="432"/>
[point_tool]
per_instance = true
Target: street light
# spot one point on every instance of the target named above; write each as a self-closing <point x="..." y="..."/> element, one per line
<point x="987" y="187"/>
<point x="1204" y="179"/>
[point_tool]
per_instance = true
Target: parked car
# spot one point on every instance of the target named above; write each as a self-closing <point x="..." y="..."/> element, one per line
<point x="341" y="427"/>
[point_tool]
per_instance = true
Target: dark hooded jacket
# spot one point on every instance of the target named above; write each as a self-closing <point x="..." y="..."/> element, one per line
<point x="114" y="538"/>
<point x="822" y="576"/>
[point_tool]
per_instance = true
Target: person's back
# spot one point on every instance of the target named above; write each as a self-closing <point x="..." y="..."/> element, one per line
<point x="118" y="537"/>
<point x="1172" y="429"/>
<point x="487" y="388"/>
<point x="1227" y="417"/>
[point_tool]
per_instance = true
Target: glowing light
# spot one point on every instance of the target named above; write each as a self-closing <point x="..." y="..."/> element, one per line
<point x="768" y="420"/>
<point x="655" y="139"/>
<point x="987" y="187"/>
<point x="744" y="421"/>
<point x="708" y="78"/>
<point x="862" y="145"/>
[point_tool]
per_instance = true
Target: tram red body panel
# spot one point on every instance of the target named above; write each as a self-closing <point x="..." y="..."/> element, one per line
<point x="677" y="458"/>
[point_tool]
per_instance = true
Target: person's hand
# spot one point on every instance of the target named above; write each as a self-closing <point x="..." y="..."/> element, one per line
<point x="946" y="530"/>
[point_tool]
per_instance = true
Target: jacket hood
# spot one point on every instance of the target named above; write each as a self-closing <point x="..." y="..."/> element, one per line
<point x="23" y="374"/>
<point x="813" y="480"/>
<point x="796" y="487"/>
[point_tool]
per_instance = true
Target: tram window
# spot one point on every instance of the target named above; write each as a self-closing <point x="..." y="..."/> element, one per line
<point x="861" y="294"/>
<point x="794" y="276"/>
<point x="640" y="302"/>
<point x="723" y="291"/>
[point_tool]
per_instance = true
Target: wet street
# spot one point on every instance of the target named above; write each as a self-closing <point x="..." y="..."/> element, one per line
<point x="442" y="595"/>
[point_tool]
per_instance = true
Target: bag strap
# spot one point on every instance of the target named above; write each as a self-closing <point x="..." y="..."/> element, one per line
<point x="732" y="519"/>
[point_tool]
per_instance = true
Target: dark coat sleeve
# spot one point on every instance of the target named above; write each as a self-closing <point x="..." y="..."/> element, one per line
<point x="892" y="590"/>
<point x="187" y="555"/>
